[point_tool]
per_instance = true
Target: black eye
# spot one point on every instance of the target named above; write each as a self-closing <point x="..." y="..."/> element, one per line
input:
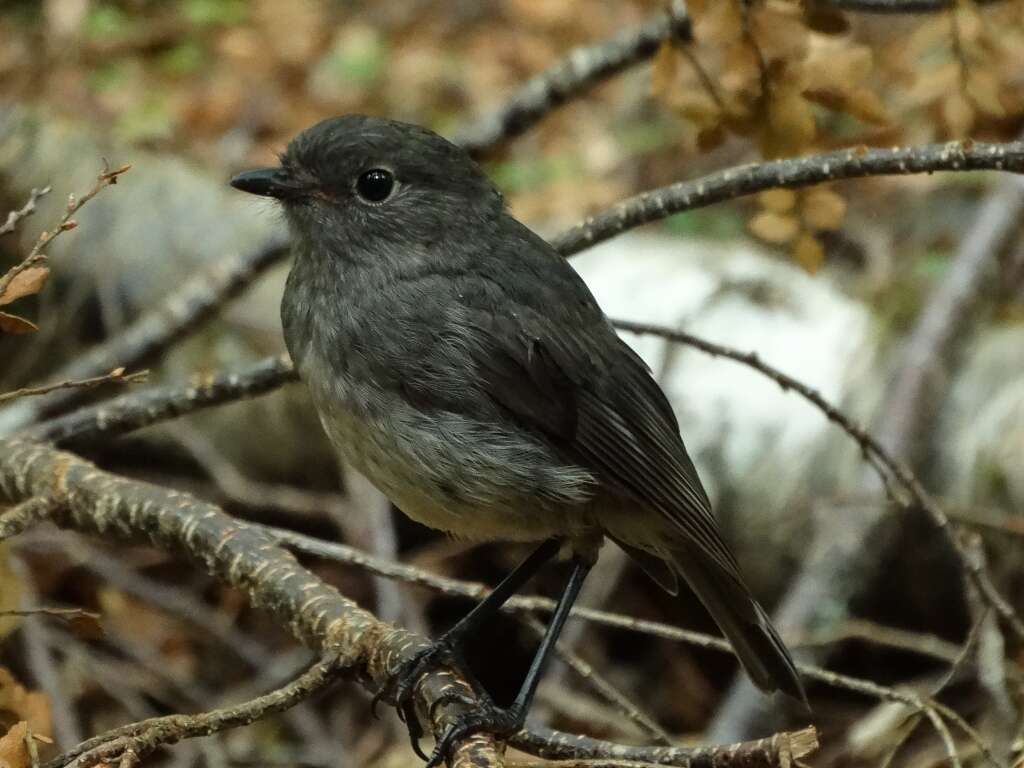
<point x="375" y="185"/>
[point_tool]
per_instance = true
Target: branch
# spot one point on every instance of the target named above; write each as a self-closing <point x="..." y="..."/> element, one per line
<point x="84" y="498"/>
<point x="918" y="497"/>
<point x="182" y="312"/>
<point x="935" y="712"/>
<point x="896" y="6"/>
<point x="116" y="376"/>
<point x="91" y="500"/>
<point x="750" y="179"/>
<point x="13" y="217"/>
<point x="140" y="409"/>
<point x="574" y="74"/>
<point x="782" y="749"/>
<point x="137" y="740"/>
<point x="37" y="255"/>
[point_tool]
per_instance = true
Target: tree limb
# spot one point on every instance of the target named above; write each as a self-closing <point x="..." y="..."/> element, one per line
<point x="571" y="76"/>
<point x="732" y="183"/>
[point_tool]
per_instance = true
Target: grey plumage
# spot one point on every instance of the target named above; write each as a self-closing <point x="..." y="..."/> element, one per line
<point x="460" y="363"/>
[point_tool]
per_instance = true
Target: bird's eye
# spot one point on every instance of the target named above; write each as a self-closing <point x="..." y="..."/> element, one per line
<point x="375" y="185"/>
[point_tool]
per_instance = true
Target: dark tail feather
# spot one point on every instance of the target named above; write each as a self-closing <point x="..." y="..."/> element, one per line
<point x="745" y="624"/>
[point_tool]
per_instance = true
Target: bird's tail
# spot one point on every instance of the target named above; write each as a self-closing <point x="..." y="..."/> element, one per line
<point x="743" y="622"/>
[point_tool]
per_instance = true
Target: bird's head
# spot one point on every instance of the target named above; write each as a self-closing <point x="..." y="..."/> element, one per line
<point x="374" y="181"/>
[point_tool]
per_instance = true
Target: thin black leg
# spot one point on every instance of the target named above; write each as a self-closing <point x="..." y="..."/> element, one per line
<point x="491" y="604"/>
<point x="404" y="681"/>
<point x="505" y="721"/>
<point x="547" y="644"/>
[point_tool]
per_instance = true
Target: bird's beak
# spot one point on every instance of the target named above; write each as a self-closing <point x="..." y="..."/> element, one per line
<point x="269" y="182"/>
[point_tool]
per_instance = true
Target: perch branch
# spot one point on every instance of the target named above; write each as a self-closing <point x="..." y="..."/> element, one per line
<point x="91" y="500"/>
<point x="245" y="556"/>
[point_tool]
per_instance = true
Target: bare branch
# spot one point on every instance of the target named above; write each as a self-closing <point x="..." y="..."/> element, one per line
<point x="182" y="312"/>
<point x="918" y="496"/>
<point x="13" y="217"/>
<point x="782" y="749"/>
<point x="578" y="71"/>
<point x="136" y="410"/>
<point x="139" y="739"/>
<point x="750" y="179"/>
<point x="245" y="556"/>
<point x="896" y="6"/>
<point x="91" y="500"/>
<point x="116" y="376"/>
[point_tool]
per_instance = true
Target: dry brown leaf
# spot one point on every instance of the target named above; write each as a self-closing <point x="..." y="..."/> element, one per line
<point x="13" y="750"/>
<point x="983" y="91"/>
<point x="823" y="209"/>
<point x="26" y="283"/>
<point x="789" y="128"/>
<point x="866" y="105"/>
<point x="808" y="252"/>
<point x="837" y="68"/>
<point x="14" y="325"/>
<point x="779" y="31"/>
<point x="699" y="108"/>
<point x="31" y="706"/>
<point x="777" y="200"/>
<point x="774" y="227"/>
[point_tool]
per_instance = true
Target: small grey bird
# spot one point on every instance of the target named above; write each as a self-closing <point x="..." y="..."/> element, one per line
<point x="460" y="363"/>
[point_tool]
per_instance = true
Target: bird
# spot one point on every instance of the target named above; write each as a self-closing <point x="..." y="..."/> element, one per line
<point x="459" y="362"/>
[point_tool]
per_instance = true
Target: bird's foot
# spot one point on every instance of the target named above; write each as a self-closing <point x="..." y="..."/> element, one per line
<point x="401" y="686"/>
<point x="486" y="718"/>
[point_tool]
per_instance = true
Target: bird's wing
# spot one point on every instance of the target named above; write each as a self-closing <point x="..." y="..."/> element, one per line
<point x="590" y="396"/>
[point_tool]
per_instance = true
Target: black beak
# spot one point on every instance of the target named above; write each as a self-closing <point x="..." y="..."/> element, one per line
<point x="269" y="182"/>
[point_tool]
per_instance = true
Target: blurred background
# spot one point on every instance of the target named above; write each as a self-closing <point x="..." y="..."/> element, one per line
<point x="897" y="298"/>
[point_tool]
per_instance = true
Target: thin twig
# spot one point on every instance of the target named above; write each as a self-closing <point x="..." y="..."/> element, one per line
<point x="782" y="749"/>
<point x="143" y="737"/>
<point x="140" y="409"/>
<point x="116" y="376"/>
<point x="66" y="222"/>
<point x="13" y="217"/>
<point x="897" y="6"/>
<point x="918" y="496"/>
<point x="182" y="312"/>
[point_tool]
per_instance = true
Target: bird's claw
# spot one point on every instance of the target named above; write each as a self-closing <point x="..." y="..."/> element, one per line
<point x="487" y="718"/>
<point x="401" y="687"/>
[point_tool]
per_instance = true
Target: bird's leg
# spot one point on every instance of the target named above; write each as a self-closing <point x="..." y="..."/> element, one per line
<point x="500" y="721"/>
<point x="403" y="683"/>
